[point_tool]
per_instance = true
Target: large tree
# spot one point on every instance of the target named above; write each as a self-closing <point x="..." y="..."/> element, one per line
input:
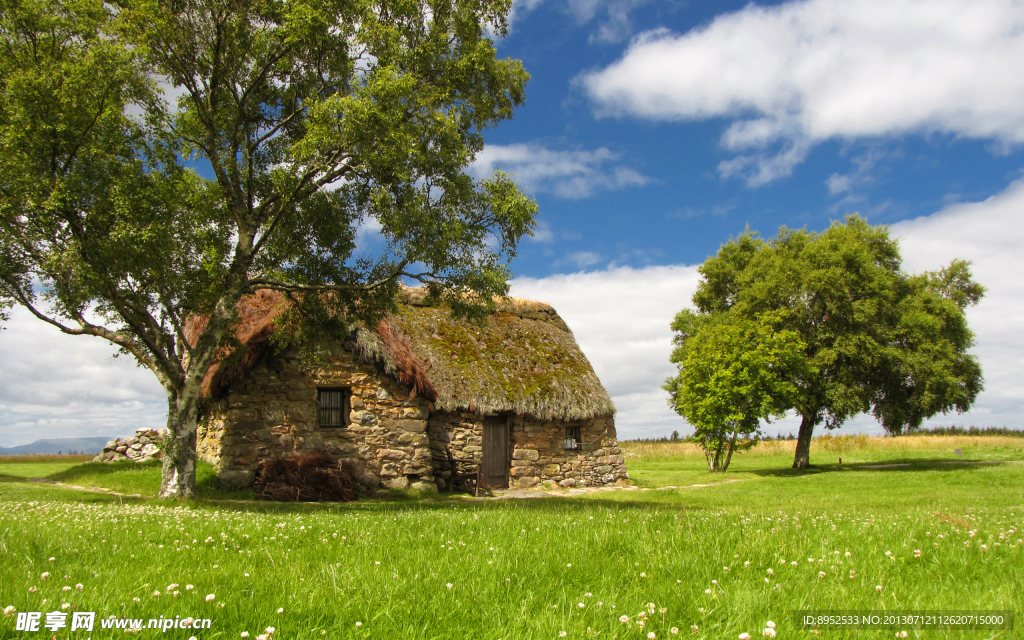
<point x="315" y="118"/>
<point x="876" y="338"/>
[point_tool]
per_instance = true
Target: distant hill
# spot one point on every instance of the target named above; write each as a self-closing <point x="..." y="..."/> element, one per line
<point x="63" y="445"/>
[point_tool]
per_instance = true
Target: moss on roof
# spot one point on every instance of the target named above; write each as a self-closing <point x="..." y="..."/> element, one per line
<point x="523" y="360"/>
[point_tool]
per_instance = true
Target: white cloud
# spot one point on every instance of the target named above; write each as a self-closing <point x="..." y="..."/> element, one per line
<point x="54" y="385"/>
<point x="617" y="27"/>
<point x="838" y="184"/>
<point x="793" y="75"/>
<point x="763" y="167"/>
<point x="614" y="25"/>
<point x="620" y="318"/>
<point x="991" y="235"/>
<point x="368" y="233"/>
<point x="583" y="259"/>
<point x="863" y="165"/>
<point x="520" y="9"/>
<point x="566" y="174"/>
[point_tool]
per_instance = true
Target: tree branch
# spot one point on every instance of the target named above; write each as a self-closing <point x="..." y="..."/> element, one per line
<point x="292" y="197"/>
<point x="87" y="328"/>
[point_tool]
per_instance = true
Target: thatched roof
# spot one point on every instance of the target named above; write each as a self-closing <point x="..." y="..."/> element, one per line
<point x="522" y="360"/>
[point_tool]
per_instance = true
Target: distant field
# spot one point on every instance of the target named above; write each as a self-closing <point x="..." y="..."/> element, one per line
<point x="725" y="558"/>
<point x="826" y="450"/>
<point x="35" y="466"/>
<point x="46" y="457"/>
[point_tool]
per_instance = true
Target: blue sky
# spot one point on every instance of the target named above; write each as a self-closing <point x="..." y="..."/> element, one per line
<point x="655" y="130"/>
<point x="676" y="204"/>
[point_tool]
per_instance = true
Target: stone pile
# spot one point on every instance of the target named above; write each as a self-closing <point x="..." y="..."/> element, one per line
<point x="144" y="445"/>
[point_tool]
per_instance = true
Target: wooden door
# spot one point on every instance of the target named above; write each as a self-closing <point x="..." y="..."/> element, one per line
<point x="495" y="466"/>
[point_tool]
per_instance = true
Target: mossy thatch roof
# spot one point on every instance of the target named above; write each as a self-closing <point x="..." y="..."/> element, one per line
<point x="523" y="359"/>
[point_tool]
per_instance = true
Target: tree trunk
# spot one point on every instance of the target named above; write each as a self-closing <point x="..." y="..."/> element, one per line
<point x="803" y="441"/>
<point x="728" y="456"/>
<point x="179" y="451"/>
<point x="718" y="455"/>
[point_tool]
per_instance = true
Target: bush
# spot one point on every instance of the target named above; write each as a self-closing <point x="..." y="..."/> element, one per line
<point x="309" y="477"/>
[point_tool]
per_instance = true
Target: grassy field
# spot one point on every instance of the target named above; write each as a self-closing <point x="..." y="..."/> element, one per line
<point x="721" y="557"/>
<point x="35" y="466"/>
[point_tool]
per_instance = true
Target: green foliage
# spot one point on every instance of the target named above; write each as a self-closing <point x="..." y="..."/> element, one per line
<point x="318" y="119"/>
<point x="878" y="339"/>
<point x="733" y="373"/>
<point x="959" y="430"/>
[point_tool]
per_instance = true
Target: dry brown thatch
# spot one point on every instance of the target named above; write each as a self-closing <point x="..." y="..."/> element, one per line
<point x="397" y="356"/>
<point x="255" y="325"/>
<point x="313" y="476"/>
<point x="523" y="360"/>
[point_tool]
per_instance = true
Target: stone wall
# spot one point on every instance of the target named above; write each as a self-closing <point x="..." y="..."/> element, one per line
<point x="392" y="440"/>
<point x="144" y="445"/>
<point x="273" y="413"/>
<point x="537" y="454"/>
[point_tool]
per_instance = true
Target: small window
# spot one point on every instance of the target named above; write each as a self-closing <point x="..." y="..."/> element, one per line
<point x="572" y="439"/>
<point x="334" y="406"/>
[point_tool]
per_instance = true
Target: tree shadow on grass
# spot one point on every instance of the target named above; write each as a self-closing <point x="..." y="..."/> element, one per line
<point x="209" y="487"/>
<point x="895" y="465"/>
<point x="107" y="474"/>
<point x="561" y="504"/>
<point x="101" y="469"/>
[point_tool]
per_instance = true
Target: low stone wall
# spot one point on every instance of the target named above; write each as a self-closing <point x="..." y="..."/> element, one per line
<point x="144" y="445"/>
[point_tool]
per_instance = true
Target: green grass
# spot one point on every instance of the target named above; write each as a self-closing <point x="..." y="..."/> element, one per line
<point x="389" y="564"/>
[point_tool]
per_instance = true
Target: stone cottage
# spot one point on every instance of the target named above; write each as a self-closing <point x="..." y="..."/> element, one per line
<point x="398" y="401"/>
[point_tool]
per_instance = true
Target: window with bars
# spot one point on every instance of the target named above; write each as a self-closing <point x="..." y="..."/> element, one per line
<point x="572" y="439"/>
<point x="335" y="405"/>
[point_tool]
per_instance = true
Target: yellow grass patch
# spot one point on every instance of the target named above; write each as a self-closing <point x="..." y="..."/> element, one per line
<point x="828" y="443"/>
